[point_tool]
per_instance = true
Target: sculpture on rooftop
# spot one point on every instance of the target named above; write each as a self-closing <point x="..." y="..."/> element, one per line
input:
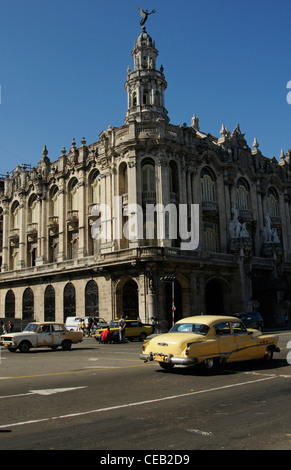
<point x="144" y="14"/>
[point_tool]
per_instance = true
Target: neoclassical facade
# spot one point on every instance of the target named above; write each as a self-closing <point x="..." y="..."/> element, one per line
<point x="69" y="244"/>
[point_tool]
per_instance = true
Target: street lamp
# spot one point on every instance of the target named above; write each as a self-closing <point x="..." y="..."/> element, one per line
<point x="171" y="278"/>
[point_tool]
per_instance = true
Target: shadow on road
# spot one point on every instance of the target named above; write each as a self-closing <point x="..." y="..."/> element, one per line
<point x="237" y="367"/>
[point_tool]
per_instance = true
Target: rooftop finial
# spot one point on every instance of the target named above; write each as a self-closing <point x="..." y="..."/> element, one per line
<point x="144" y="14"/>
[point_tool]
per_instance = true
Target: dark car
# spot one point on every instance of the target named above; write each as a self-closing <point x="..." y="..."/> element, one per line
<point x="252" y="320"/>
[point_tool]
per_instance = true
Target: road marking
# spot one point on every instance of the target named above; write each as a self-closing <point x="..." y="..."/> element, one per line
<point x="128" y="405"/>
<point x="49" y="374"/>
<point x="48" y="391"/>
<point x="203" y="433"/>
<point x="52" y="391"/>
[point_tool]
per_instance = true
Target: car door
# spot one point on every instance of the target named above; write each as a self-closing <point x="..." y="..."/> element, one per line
<point x="129" y="329"/>
<point x="58" y="334"/>
<point x="246" y="344"/>
<point x="135" y="328"/>
<point x="225" y="339"/>
<point x="44" y="335"/>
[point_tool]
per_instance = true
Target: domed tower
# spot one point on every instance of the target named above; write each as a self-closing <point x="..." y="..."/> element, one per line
<point x="145" y="85"/>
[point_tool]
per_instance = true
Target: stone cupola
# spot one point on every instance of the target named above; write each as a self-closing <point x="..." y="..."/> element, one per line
<point x="145" y="85"/>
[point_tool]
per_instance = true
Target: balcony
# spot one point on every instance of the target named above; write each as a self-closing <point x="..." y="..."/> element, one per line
<point x="53" y="225"/>
<point x="72" y="219"/>
<point x="93" y="211"/>
<point x="31" y="231"/>
<point x="14" y="236"/>
<point x="210" y="207"/>
<point x="149" y="197"/>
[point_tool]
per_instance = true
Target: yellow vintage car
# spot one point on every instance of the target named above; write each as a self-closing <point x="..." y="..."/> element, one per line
<point x="208" y="340"/>
<point x="133" y="329"/>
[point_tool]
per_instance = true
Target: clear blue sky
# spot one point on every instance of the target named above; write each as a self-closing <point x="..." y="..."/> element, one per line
<point x="63" y="67"/>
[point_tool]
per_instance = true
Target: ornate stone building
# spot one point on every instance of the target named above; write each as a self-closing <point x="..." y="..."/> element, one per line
<point x="55" y="265"/>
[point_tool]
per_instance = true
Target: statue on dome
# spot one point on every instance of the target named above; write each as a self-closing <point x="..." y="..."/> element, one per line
<point x="144" y="14"/>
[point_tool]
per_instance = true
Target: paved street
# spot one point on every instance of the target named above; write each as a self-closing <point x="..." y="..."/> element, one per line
<point x="103" y="397"/>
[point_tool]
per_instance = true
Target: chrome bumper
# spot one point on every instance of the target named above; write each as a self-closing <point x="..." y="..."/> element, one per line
<point x="169" y="359"/>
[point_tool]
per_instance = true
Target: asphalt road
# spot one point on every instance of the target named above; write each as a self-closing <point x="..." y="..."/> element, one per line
<point x="104" y="397"/>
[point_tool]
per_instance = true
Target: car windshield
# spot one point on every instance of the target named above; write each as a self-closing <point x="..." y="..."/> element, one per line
<point x="114" y="324"/>
<point x="31" y="327"/>
<point x="190" y="328"/>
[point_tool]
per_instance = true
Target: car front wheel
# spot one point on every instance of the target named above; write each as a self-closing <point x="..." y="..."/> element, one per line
<point x="66" y="345"/>
<point x="268" y="355"/>
<point x="24" y="347"/>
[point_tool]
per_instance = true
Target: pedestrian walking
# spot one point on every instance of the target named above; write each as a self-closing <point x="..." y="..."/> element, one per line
<point x="3" y="329"/>
<point x="121" y="326"/>
<point x="82" y="326"/>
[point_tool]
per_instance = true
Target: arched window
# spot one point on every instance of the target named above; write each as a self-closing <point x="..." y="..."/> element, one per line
<point x="173" y="180"/>
<point x="146" y="97"/>
<point x="33" y="215"/>
<point x="208" y="185"/>
<point x="10" y="304"/>
<point x="158" y="99"/>
<point x="148" y="177"/>
<point x="49" y="304"/>
<point x="91" y="299"/>
<point x="273" y="203"/>
<point x="243" y="195"/>
<point x="95" y="187"/>
<point x="149" y="197"/>
<point x="1" y="229"/>
<point x="28" y="305"/>
<point x="69" y="301"/>
<point x="15" y="215"/>
<point x="73" y="194"/>
<point x="211" y="238"/>
<point x="123" y="179"/>
<point x="54" y="208"/>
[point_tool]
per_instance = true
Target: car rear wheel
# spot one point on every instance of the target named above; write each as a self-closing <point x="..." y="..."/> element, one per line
<point x="210" y="364"/>
<point x="142" y="336"/>
<point x="24" y="347"/>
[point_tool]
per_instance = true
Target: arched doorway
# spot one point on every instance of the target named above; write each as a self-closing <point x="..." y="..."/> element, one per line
<point x="10" y="304"/>
<point x="28" y="305"/>
<point x="130" y="299"/>
<point x="91" y="299"/>
<point x="69" y="301"/>
<point x="49" y="304"/>
<point x="214" y="298"/>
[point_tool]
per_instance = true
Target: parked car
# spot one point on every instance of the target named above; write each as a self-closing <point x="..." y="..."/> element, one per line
<point x="208" y="340"/>
<point x="252" y="320"/>
<point x="133" y="329"/>
<point x="40" y="334"/>
<point x="73" y="323"/>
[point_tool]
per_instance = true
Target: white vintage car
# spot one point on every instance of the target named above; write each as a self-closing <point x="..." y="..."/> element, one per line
<point x="41" y="334"/>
